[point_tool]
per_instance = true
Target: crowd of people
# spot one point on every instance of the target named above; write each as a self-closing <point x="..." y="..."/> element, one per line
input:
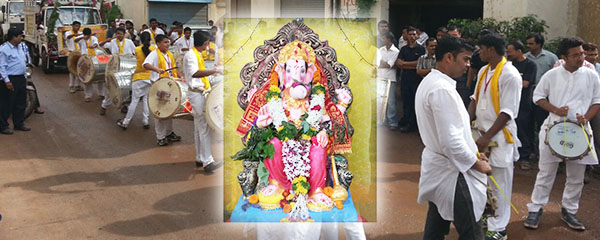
<point x="509" y="92"/>
<point x="153" y="47"/>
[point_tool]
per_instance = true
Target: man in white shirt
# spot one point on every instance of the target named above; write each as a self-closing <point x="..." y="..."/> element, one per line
<point x="386" y="74"/>
<point x="154" y="30"/>
<point x="570" y="92"/>
<point x="176" y="31"/>
<point x="195" y="74"/>
<point x="422" y="35"/>
<point x="452" y="173"/>
<point x="163" y="127"/>
<point x="186" y="42"/>
<point x="121" y="46"/>
<point x="494" y="107"/>
<point x="74" y="83"/>
<point x="87" y="45"/>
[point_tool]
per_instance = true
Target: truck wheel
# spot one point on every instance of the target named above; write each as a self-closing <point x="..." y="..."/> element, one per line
<point x="30" y="103"/>
<point x="46" y="64"/>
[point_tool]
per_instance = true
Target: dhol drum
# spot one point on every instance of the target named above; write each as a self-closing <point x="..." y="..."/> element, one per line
<point x="92" y="68"/>
<point x="72" y="60"/>
<point x="168" y="98"/>
<point x="119" y="86"/>
<point x="213" y="107"/>
<point x="178" y="56"/>
<point x="118" y="63"/>
<point x="477" y="133"/>
<point x="567" y="140"/>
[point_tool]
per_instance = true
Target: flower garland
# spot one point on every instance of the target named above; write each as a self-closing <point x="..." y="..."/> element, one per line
<point x="316" y="106"/>
<point x="275" y="106"/>
<point x="295" y="158"/>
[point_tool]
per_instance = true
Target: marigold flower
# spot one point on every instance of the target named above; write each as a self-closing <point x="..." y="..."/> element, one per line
<point x="253" y="199"/>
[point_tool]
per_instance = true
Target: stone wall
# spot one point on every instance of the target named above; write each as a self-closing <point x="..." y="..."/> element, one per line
<point x="589" y="20"/>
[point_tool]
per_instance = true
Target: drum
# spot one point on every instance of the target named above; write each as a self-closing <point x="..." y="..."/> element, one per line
<point x="178" y="56"/>
<point x="167" y="98"/>
<point x="92" y="68"/>
<point x="119" y="86"/>
<point x="567" y="140"/>
<point x="72" y="59"/>
<point x="477" y="133"/>
<point x="213" y="107"/>
<point x="118" y="63"/>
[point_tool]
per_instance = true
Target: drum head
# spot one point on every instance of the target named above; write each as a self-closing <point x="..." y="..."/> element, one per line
<point x="112" y="87"/>
<point x="165" y="97"/>
<point x="85" y="68"/>
<point x="213" y="108"/>
<point x="113" y="64"/>
<point x="179" y="62"/>
<point x="567" y="140"/>
<point x="72" y="59"/>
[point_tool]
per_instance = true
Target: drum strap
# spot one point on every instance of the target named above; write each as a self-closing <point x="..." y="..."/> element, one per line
<point x="201" y="67"/>
<point x="494" y="93"/>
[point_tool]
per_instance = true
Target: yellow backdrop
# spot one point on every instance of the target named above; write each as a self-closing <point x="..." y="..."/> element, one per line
<point x="362" y="113"/>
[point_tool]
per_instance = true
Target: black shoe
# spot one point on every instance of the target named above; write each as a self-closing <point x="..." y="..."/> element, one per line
<point x="23" y="128"/>
<point x="162" y="142"/>
<point x="199" y="164"/>
<point x="102" y="111"/>
<point x="407" y="129"/>
<point x="533" y="219"/>
<point x="121" y="125"/>
<point x="212" y="166"/>
<point x="571" y="220"/>
<point x="146" y="126"/>
<point x="173" y="137"/>
<point x="6" y="131"/>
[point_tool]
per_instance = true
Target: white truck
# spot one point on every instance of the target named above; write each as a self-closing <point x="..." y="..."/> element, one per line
<point x="47" y="44"/>
<point x="12" y="15"/>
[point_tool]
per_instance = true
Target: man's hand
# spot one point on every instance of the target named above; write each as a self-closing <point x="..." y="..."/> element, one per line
<point x="9" y="86"/>
<point x="217" y="71"/>
<point x="482" y="166"/>
<point x="482" y="143"/>
<point x="581" y="119"/>
<point x="160" y="71"/>
<point x="562" y="111"/>
<point x="383" y="64"/>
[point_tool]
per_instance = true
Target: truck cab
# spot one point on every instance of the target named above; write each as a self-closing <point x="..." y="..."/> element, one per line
<point x="12" y="15"/>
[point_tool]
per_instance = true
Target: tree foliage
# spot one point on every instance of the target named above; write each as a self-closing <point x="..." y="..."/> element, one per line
<point x="516" y="29"/>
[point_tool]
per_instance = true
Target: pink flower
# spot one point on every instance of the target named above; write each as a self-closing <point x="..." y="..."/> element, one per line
<point x="316" y="108"/>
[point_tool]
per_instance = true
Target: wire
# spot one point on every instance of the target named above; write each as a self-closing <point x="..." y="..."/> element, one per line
<point x="353" y="45"/>
<point x="244" y="44"/>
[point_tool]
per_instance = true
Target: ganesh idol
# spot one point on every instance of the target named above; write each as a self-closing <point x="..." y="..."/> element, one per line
<point x="295" y="99"/>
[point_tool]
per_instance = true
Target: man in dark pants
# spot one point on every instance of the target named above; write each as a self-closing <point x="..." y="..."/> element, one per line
<point x="13" y="93"/>
<point x="407" y="61"/>
<point x="525" y="120"/>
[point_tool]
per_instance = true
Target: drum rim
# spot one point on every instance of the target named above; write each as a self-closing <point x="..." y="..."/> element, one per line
<point x="554" y="153"/>
<point x="179" y="101"/>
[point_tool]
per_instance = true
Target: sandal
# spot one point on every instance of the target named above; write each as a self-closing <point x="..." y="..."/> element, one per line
<point x="38" y="111"/>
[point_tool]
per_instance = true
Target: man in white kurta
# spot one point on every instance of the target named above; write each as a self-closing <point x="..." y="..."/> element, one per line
<point x="186" y="42"/>
<point x="572" y="93"/>
<point x="90" y="42"/>
<point x="502" y="157"/>
<point x="154" y="30"/>
<point x="386" y="74"/>
<point x="163" y="127"/>
<point x="121" y="46"/>
<point x="74" y="83"/>
<point x="195" y="74"/>
<point x="452" y="178"/>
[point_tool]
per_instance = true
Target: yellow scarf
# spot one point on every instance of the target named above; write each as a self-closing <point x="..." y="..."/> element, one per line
<point x="74" y="43"/>
<point x="91" y="51"/>
<point x="494" y="93"/>
<point x="201" y="67"/>
<point x="162" y="63"/>
<point x="121" y="45"/>
<point x="208" y="56"/>
<point x="152" y="35"/>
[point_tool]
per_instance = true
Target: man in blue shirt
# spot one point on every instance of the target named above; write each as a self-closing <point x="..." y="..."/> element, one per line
<point x="13" y="94"/>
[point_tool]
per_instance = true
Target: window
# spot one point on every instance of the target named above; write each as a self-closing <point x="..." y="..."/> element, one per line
<point x="68" y="15"/>
<point x="16" y="8"/>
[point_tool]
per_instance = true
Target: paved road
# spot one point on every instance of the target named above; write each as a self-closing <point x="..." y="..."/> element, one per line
<point x="77" y="175"/>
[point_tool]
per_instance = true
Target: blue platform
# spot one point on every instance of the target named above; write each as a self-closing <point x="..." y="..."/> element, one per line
<point x="256" y="214"/>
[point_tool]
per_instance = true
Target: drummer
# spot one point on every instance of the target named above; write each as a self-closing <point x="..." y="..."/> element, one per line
<point x="140" y="83"/>
<point x="154" y="30"/>
<point x="186" y="42"/>
<point x="196" y="75"/>
<point x="87" y="45"/>
<point x="569" y="93"/>
<point x="74" y="83"/>
<point x="162" y="64"/>
<point x="121" y="46"/>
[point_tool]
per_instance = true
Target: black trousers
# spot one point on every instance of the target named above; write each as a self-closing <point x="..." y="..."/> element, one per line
<point x="436" y="228"/>
<point x="525" y="130"/>
<point x="13" y="102"/>
<point x="408" y="89"/>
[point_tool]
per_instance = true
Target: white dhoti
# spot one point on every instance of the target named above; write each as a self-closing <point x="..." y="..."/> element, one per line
<point x="324" y="231"/>
<point x="87" y="89"/>
<point x="504" y="177"/>
<point x="139" y="89"/>
<point x="74" y="81"/>
<point x="201" y="131"/>
<point x="163" y="127"/>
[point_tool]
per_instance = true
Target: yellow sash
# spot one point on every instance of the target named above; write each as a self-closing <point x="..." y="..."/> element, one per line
<point x="120" y="45"/>
<point x="208" y="56"/>
<point x="152" y="36"/>
<point x="74" y="43"/>
<point x="201" y="67"/>
<point x="162" y="63"/>
<point x="494" y="93"/>
<point x="91" y="51"/>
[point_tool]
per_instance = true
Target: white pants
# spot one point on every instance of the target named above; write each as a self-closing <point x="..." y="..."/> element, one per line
<point x="106" y="102"/>
<point x="201" y="131"/>
<point x="163" y="127"/>
<point x="139" y="89"/>
<point x="305" y="231"/>
<point x="87" y="89"/>
<point x="74" y="81"/>
<point x="504" y="177"/>
<point x="545" y="180"/>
